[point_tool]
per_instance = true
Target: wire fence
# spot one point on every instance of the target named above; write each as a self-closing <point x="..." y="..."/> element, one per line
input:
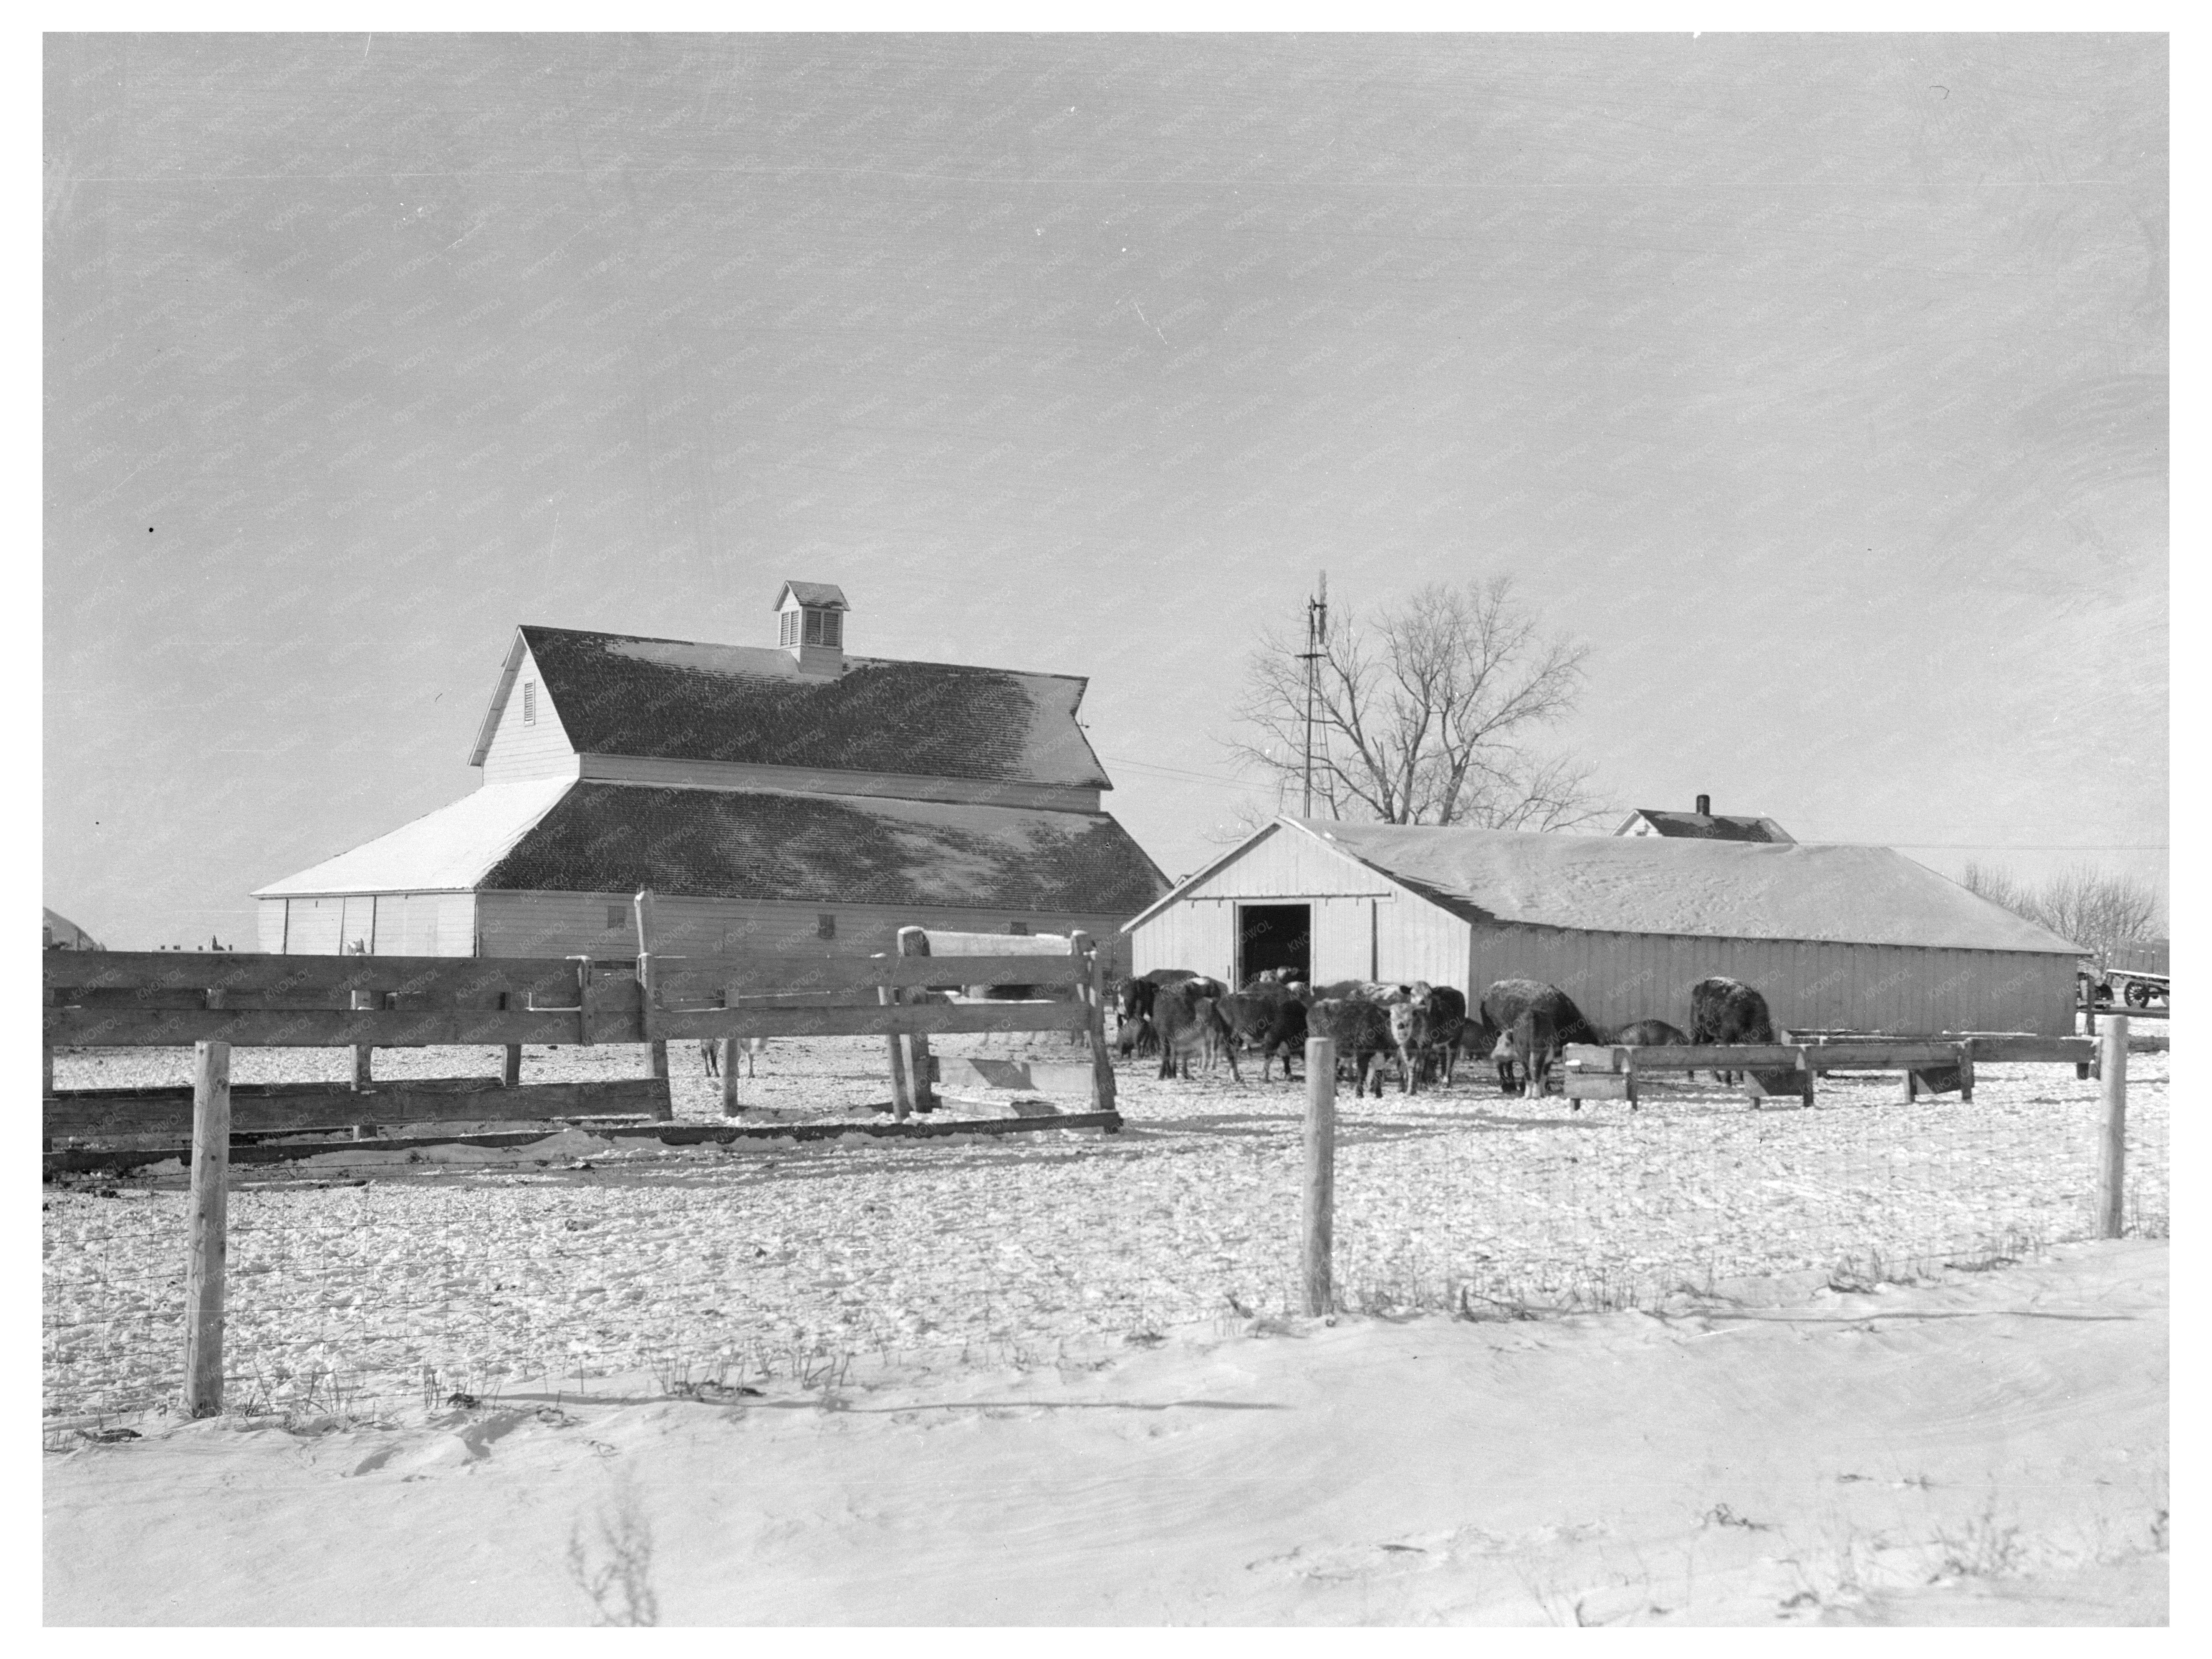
<point x="714" y="1270"/>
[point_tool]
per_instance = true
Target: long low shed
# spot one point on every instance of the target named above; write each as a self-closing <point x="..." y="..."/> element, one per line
<point x="1854" y="937"/>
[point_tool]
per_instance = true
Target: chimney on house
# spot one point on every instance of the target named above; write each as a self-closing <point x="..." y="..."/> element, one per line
<point x="1704" y="806"/>
<point x="810" y="625"/>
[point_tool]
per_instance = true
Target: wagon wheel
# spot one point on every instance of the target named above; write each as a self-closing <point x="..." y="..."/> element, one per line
<point x="2139" y="995"/>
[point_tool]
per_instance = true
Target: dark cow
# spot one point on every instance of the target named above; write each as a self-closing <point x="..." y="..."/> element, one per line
<point x="1272" y="1023"/>
<point x="1447" y="1020"/>
<point x="1649" y="1034"/>
<point x="1724" y="1010"/>
<point x="1361" y="1030"/>
<point x="1135" y="1032"/>
<point x="1188" y="1018"/>
<point x="1562" y="1023"/>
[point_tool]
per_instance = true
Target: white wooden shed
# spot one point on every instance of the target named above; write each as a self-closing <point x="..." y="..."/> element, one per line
<point x="1857" y="937"/>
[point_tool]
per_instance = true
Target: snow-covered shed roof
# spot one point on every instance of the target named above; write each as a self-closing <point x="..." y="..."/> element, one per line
<point x="558" y="834"/>
<point x="1661" y="884"/>
<point x="450" y="850"/>
<point x="621" y="694"/>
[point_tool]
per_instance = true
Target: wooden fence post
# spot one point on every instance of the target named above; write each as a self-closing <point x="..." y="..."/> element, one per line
<point x="208" y="1221"/>
<point x="2113" y="1144"/>
<point x="902" y="1086"/>
<point x="362" y="1051"/>
<point x="914" y="942"/>
<point x="648" y="998"/>
<point x="730" y="1107"/>
<point x="1320" y="1229"/>
<point x="1093" y="993"/>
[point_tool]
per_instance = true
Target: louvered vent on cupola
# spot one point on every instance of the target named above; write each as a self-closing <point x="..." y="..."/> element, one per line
<point x="810" y="625"/>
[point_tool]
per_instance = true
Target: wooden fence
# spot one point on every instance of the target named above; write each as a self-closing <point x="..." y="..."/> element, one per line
<point x="164" y="998"/>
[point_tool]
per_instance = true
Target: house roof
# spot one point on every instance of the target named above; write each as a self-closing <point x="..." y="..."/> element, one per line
<point x="561" y="835"/>
<point x="1708" y="826"/>
<point x="1658" y="884"/>
<point x="622" y="693"/>
<point x="818" y="593"/>
<point x="777" y="844"/>
<point x="449" y="850"/>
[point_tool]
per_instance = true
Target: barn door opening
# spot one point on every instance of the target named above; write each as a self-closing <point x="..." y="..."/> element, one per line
<point x="1270" y="936"/>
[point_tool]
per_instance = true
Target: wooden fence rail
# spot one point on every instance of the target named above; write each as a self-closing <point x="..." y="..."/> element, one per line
<point x="165" y="999"/>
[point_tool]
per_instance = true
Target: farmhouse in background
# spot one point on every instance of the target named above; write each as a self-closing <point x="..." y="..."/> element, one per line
<point x="790" y="799"/>
<point x="1702" y="825"/>
<point x="1853" y="937"/>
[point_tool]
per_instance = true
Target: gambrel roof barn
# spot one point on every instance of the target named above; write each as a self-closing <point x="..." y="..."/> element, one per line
<point x="788" y="797"/>
<point x="1857" y="937"/>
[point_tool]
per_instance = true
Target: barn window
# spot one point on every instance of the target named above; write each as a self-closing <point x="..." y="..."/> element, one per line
<point x="530" y="703"/>
<point x="1018" y="928"/>
<point x="790" y="635"/>
<point x="833" y="629"/>
<point x="813" y="626"/>
<point x="825" y="926"/>
<point x="617" y="915"/>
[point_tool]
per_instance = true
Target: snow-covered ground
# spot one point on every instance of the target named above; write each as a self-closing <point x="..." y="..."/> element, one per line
<point x="363" y="1281"/>
<point x="1978" y="1448"/>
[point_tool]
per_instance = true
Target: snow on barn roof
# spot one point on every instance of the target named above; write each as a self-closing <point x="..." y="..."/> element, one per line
<point x="1661" y="884"/>
<point x="450" y="850"/>
<point x="849" y="849"/>
<point x="1707" y="826"/>
<point x="557" y="834"/>
<point x="620" y="694"/>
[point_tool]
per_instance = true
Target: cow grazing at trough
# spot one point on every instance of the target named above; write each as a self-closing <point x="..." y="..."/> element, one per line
<point x="1188" y="1018"/>
<point x="1723" y="1009"/>
<point x="1361" y="1030"/>
<point x="1649" y="1034"/>
<point x="1560" y="1024"/>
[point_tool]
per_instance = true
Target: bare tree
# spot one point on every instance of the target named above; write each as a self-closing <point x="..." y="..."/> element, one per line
<point x="1427" y="714"/>
<point x="2101" y="912"/>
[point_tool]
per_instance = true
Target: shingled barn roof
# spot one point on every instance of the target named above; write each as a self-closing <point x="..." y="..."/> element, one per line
<point x="771" y="844"/>
<point x="619" y="694"/>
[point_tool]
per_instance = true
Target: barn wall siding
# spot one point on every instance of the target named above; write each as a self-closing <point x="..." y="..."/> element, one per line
<point x="1199" y="935"/>
<point x="575" y="924"/>
<point x="1617" y="977"/>
<point x="269" y="925"/>
<point x="1285" y="866"/>
<point x="538" y="751"/>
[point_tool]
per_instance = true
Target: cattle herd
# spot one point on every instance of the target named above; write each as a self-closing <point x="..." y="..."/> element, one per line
<point x="1520" y="1025"/>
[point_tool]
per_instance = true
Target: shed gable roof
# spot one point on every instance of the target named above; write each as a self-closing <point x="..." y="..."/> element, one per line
<point x="1659" y="885"/>
<point x="449" y="850"/>
<point x="774" y="844"/>
<point x="621" y="694"/>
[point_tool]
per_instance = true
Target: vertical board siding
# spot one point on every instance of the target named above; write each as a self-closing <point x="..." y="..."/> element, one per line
<point x="1197" y="934"/>
<point x="356" y="920"/>
<point x="1342" y="929"/>
<point x="312" y="927"/>
<point x="1614" y="978"/>
<point x="268" y="926"/>
<point x="1420" y="941"/>
<point x="456" y="924"/>
<point x="518" y="751"/>
<point x="1285" y="866"/>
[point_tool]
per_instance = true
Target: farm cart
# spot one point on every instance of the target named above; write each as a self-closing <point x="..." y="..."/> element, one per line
<point x="2132" y="987"/>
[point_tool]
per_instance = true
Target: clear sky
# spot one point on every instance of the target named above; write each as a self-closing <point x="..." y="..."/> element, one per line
<point x="1818" y="383"/>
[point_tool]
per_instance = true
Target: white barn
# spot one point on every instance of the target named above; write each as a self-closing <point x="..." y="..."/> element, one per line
<point x="1857" y="937"/>
<point x="788" y="798"/>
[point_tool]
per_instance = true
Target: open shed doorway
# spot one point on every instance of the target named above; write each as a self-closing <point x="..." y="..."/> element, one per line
<point x="1273" y="936"/>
